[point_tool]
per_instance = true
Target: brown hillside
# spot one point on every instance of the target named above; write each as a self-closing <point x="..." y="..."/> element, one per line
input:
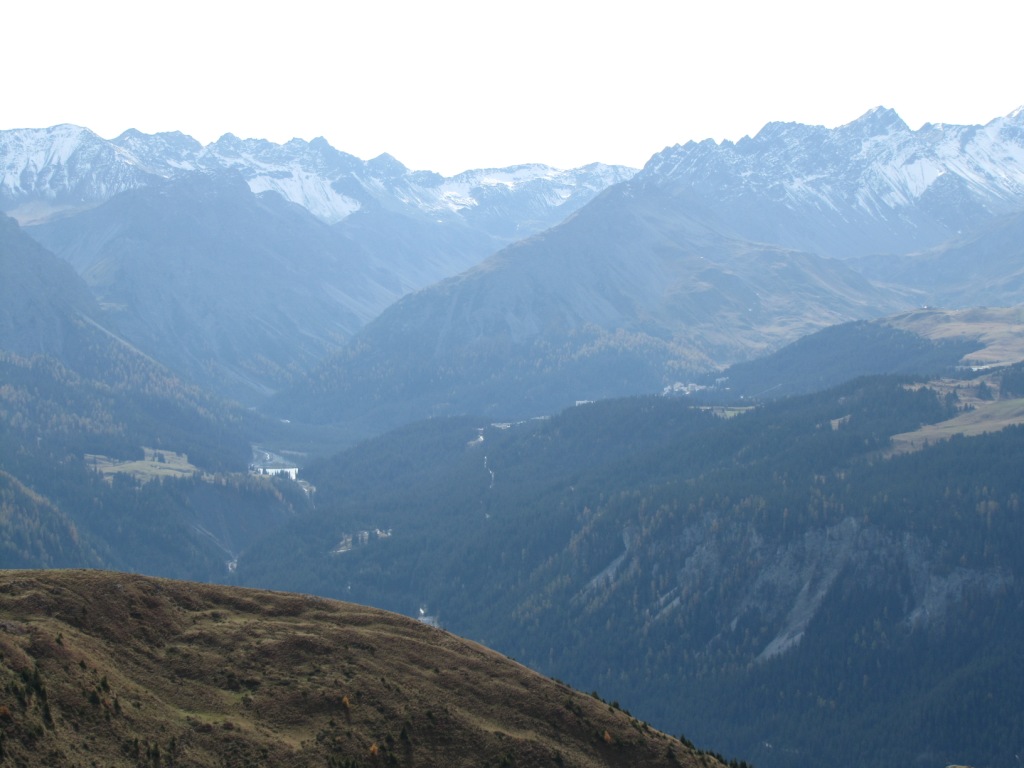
<point x="111" y="669"/>
<point x="1000" y="331"/>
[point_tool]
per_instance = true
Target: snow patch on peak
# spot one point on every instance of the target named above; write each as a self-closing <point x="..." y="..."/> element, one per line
<point x="876" y="161"/>
<point x="312" y="192"/>
<point x="1016" y="116"/>
<point x="506" y="177"/>
<point x="160" y="153"/>
<point x="45" y="146"/>
<point x="45" y="165"/>
<point x="550" y="186"/>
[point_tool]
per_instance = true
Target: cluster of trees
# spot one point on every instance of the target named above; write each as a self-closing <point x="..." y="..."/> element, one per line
<point x="1011" y="381"/>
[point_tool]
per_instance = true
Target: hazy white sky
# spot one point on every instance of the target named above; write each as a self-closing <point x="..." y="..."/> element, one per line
<point x="451" y="84"/>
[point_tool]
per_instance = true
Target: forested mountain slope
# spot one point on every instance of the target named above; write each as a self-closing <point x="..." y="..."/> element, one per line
<point x="767" y="582"/>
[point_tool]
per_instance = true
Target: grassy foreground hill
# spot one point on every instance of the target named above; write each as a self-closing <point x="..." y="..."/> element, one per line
<point x="112" y="669"/>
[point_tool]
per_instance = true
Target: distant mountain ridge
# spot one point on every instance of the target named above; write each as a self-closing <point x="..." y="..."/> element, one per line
<point x="870" y="186"/>
<point x="66" y="167"/>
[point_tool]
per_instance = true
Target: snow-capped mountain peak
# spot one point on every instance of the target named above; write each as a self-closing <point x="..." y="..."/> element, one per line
<point x="882" y="181"/>
<point x="159" y="150"/>
<point x="48" y="170"/>
<point x="68" y="167"/>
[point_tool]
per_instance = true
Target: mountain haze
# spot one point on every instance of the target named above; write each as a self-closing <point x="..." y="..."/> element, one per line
<point x="983" y="267"/>
<point x="233" y="291"/>
<point x="242" y="263"/>
<point x="40" y="296"/>
<point x="629" y="295"/>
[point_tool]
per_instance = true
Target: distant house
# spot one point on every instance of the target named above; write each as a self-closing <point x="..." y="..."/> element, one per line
<point x="292" y="472"/>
